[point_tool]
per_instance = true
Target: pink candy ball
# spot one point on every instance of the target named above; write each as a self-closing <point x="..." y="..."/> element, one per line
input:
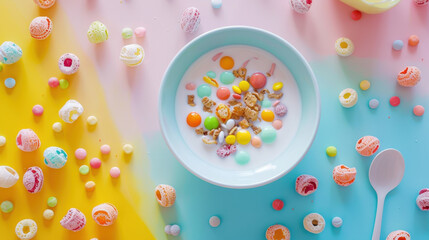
<point x="190" y="20"/>
<point x="140" y="32"/>
<point x="115" y="172"/>
<point x="258" y="80"/>
<point x="33" y="179"/>
<point x="423" y="200"/>
<point x="190" y="86"/>
<point x="280" y="110"/>
<point x="306" y="184"/>
<point x="37" y="110"/>
<point x="53" y="82"/>
<point x="105" y="149"/>
<point x="418" y="110"/>
<point x="367" y="146"/>
<point x="277" y="124"/>
<point x="95" y="163"/>
<point x="74" y="220"/>
<point x="80" y="153"/>
<point x="223" y="93"/>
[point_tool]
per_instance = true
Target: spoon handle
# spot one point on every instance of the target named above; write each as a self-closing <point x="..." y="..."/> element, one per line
<point x="378" y="217"/>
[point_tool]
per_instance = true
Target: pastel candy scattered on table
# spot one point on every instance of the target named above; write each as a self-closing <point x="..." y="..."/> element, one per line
<point x="314" y="223"/>
<point x="277" y="232"/>
<point x="37" y="110"/>
<point x="33" y="179"/>
<point x="27" y="140"/>
<point x="367" y="145"/>
<point x="306" y="184"/>
<point x="6" y="206"/>
<point x="331" y="151"/>
<point x="90" y="186"/>
<point x="395" y="101"/>
<point x="52" y="202"/>
<point x="55" y="157"/>
<point x="165" y="195"/>
<point x="45" y="3"/>
<point x="190" y="20"/>
<point x="398" y="45"/>
<point x="301" y="6"/>
<point x="40" y="28"/>
<point x="104" y="214"/>
<point x="68" y="63"/>
<point x="8" y="177"/>
<point x="413" y="40"/>
<point x="74" y="220"/>
<point x="409" y="77"/>
<point x="373" y="103"/>
<point x="26" y="229"/>
<point x="115" y="172"/>
<point x="399" y="235"/>
<point x="48" y="214"/>
<point x="97" y="32"/>
<point x="277" y="204"/>
<point x="343" y="175"/>
<point x="71" y="111"/>
<point x="337" y="222"/>
<point x="80" y="153"/>
<point x="216" y="3"/>
<point x="132" y="55"/>
<point x="140" y="32"/>
<point x="214" y="221"/>
<point x="348" y="97"/>
<point x="423" y="200"/>
<point x="364" y="85"/>
<point x="9" y="82"/>
<point x="419" y="110"/>
<point x="421" y="2"/>
<point x="10" y="52"/>
<point x="173" y="230"/>
<point x="127" y="33"/>
<point x="242" y="157"/>
<point x="344" y="47"/>
<point x="2" y="141"/>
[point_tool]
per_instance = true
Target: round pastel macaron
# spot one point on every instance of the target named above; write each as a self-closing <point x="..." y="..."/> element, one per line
<point x="367" y="145"/>
<point x="343" y="175"/>
<point x="399" y="235"/>
<point x="97" y="32"/>
<point x="8" y="177"/>
<point x="68" y="63"/>
<point x="409" y="77"/>
<point x="10" y="52"/>
<point x="37" y="110"/>
<point x="40" y="28"/>
<point x="423" y="200"/>
<point x="115" y="172"/>
<point x="27" y="140"/>
<point x="314" y="223"/>
<point x="55" y="157"/>
<point x="74" y="220"/>
<point x="33" y="179"/>
<point x="26" y="229"/>
<point x="277" y="232"/>
<point x="306" y="184"/>
<point x="140" y="32"/>
<point x="132" y="55"/>
<point x="301" y="6"/>
<point x="95" y="163"/>
<point x="104" y="214"/>
<point x="45" y="3"/>
<point x="190" y="20"/>
<point x="105" y="149"/>
<point x="165" y="195"/>
<point x="344" y="47"/>
<point x="80" y="153"/>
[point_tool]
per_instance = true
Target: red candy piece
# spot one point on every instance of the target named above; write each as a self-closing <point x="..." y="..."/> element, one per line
<point x="278" y="204"/>
<point x="236" y="96"/>
<point x="226" y="150"/>
<point x="223" y="93"/>
<point x="356" y="15"/>
<point x="395" y="101"/>
<point x="258" y="80"/>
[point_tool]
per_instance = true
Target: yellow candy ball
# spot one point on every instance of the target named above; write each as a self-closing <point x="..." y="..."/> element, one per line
<point x="243" y="137"/>
<point x="277" y="86"/>
<point x="236" y="89"/>
<point x="267" y="115"/>
<point x="230" y="139"/>
<point x="244" y="85"/>
<point x="364" y="85"/>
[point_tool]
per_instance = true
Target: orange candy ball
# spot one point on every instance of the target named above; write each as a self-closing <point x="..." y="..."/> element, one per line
<point x="267" y="115"/>
<point x="413" y="40"/>
<point x="193" y="119"/>
<point x="226" y="63"/>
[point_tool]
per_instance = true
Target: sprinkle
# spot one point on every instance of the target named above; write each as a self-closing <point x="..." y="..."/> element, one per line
<point x="217" y="56"/>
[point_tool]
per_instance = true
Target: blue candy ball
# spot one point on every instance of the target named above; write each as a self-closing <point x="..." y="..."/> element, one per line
<point x="55" y="157"/>
<point x="373" y="103"/>
<point x="216" y="3"/>
<point x="9" y="82"/>
<point x="397" y="45"/>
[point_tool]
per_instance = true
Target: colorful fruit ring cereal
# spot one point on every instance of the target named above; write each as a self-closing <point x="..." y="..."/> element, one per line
<point x="27" y="140"/>
<point x="277" y="232"/>
<point x="74" y="220"/>
<point x="343" y="175"/>
<point x="10" y="52"/>
<point x="348" y="97"/>
<point x="26" y="229"/>
<point x="367" y="146"/>
<point x="306" y="185"/>
<point x="71" y="111"/>
<point x="344" y="47"/>
<point x="104" y="214"/>
<point x="55" y="157"/>
<point x="399" y="235"/>
<point x="8" y="177"/>
<point x="190" y="20"/>
<point x="165" y="195"/>
<point x="409" y="77"/>
<point x="40" y="28"/>
<point x="97" y="32"/>
<point x="33" y="179"/>
<point x="423" y="200"/>
<point x="301" y="6"/>
<point x="68" y="63"/>
<point x="314" y="223"/>
<point x="132" y="55"/>
<point x="45" y="3"/>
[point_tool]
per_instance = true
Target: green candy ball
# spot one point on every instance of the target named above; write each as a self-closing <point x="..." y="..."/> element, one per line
<point x="6" y="206"/>
<point x="331" y="151"/>
<point x="204" y="90"/>
<point x="84" y="169"/>
<point x="268" y="135"/>
<point x="64" y="84"/>
<point x="227" y="77"/>
<point x="127" y="33"/>
<point x="242" y="157"/>
<point x="211" y="123"/>
<point x="211" y="74"/>
<point x="52" y="202"/>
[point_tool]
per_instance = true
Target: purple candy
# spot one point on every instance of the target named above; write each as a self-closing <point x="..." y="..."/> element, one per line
<point x="280" y="110"/>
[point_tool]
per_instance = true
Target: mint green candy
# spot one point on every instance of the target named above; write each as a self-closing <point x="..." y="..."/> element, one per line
<point x="211" y="74"/>
<point x="227" y="77"/>
<point x="64" y="84"/>
<point x="52" y="202"/>
<point x="6" y="206"/>
<point x="242" y="157"/>
<point x="211" y="123"/>
<point x="266" y="103"/>
<point x="268" y="135"/>
<point x="127" y="33"/>
<point x="204" y="90"/>
<point x="84" y="169"/>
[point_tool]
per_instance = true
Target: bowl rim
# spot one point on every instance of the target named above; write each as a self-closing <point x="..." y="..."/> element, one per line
<point x="317" y="115"/>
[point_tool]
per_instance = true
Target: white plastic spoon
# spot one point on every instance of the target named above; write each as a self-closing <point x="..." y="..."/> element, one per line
<point x="385" y="173"/>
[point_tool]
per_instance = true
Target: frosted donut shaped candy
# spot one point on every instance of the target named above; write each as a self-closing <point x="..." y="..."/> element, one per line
<point x="33" y="179"/>
<point x="301" y="6"/>
<point x="344" y="47"/>
<point x="55" y="157"/>
<point x="190" y="20"/>
<point x="409" y="77"/>
<point x="104" y="214"/>
<point x="74" y="220"/>
<point x="10" y="52"/>
<point x="97" y="32"/>
<point x="71" y="111"/>
<point x="277" y="232"/>
<point x="45" y="3"/>
<point x="306" y="184"/>
<point x="165" y="195"/>
<point x="8" y="177"/>
<point x="27" y="140"/>
<point x="26" y="229"/>
<point x="367" y="146"/>
<point x="132" y="55"/>
<point x="423" y="200"/>
<point x="314" y="223"/>
<point x="68" y="63"/>
<point x="40" y="28"/>
<point x="399" y="235"/>
<point x="421" y="2"/>
<point x="348" y="97"/>
<point x="343" y="175"/>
